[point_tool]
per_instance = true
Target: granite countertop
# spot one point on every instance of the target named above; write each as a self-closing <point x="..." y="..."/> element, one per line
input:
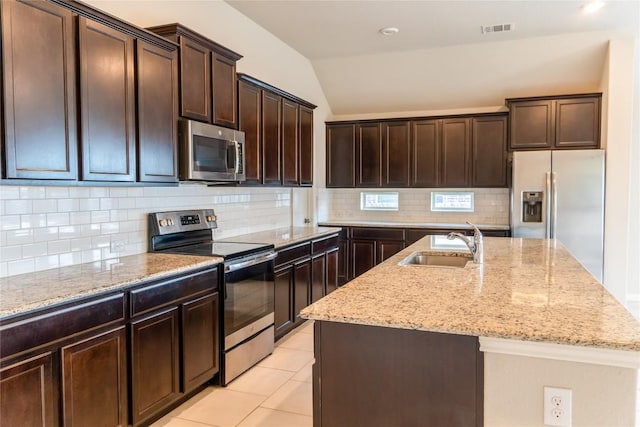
<point x="527" y="289"/>
<point x="281" y="237"/>
<point x="391" y="224"/>
<point x="27" y="292"/>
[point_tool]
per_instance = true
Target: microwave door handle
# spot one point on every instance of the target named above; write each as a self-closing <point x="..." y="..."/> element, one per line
<point x="237" y="159"/>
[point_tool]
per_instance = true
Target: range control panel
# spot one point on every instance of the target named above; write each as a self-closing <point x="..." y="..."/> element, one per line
<point x="161" y="223"/>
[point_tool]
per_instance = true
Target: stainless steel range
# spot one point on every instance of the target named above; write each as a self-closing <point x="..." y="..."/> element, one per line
<point x="247" y="287"/>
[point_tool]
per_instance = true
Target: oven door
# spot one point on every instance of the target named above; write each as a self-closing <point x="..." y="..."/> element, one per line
<point x="248" y="299"/>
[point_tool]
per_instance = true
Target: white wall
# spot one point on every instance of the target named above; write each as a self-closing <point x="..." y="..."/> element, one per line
<point x="620" y="101"/>
<point x="601" y="395"/>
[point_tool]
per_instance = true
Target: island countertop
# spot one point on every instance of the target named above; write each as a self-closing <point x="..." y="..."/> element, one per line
<point x="527" y="289"/>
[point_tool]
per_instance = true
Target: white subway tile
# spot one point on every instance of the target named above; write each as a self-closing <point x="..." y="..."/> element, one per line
<point x="9" y="192"/>
<point x="20" y="266"/>
<point x="99" y="192"/>
<point x="68" y="205"/>
<point x="57" y="192"/>
<point x="109" y="228"/>
<point x="90" y="229"/>
<point x="33" y="220"/>
<point x="69" y="231"/>
<point x="71" y="258"/>
<point x="17" y="207"/>
<point x="19" y="237"/>
<point x="9" y="253"/>
<point x="118" y="192"/>
<point x="58" y="246"/>
<point x="80" y="244"/>
<point x="108" y="203"/>
<point x="76" y="218"/>
<point x="100" y="241"/>
<point x="45" y="234"/>
<point x="79" y="192"/>
<point x="45" y="206"/>
<point x="46" y="262"/>
<point x="91" y="255"/>
<point x="135" y="191"/>
<point x="99" y="216"/>
<point x="56" y="219"/>
<point x="32" y="192"/>
<point x="4" y="272"/>
<point x="91" y="204"/>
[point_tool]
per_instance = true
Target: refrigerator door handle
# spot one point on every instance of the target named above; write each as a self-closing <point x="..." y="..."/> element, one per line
<point x="548" y="198"/>
<point x="554" y="192"/>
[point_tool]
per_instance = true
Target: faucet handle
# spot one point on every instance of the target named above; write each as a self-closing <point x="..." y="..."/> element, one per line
<point x="476" y="230"/>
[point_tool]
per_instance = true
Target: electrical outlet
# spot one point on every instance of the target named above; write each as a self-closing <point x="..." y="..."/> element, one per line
<point x="557" y="407"/>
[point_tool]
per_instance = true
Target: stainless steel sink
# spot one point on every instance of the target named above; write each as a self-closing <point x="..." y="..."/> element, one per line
<point x="433" y="260"/>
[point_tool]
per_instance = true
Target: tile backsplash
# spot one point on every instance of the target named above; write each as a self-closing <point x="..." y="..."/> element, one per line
<point x="491" y="206"/>
<point x="47" y="227"/>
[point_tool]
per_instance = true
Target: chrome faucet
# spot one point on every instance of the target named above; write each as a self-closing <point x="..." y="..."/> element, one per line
<point x="475" y="245"/>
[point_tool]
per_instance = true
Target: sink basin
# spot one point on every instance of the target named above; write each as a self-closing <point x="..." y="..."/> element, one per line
<point x="432" y="260"/>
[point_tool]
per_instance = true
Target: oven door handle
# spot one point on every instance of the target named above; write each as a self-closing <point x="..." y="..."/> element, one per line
<point x="234" y="266"/>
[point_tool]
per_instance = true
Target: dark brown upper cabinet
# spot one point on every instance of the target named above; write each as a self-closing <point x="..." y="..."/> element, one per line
<point x="425" y="153"/>
<point x="250" y="122"/>
<point x="396" y="153"/>
<point x="207" y="76"/>
<point x="368" y="155"/>
<point x="107" y="99"/>
<point x="271" y="138"/>
<point x="278" y="130"/>
<point x="305" y="162"/>
<point x="39" y="66"/>
<point x="456" y="156"/>
<point x="157" y="76"/>
<point x="341" y="155"/>
<point x="557" y="122"/>
<point x="489" y="151"/>
<point x="290" y="142"/>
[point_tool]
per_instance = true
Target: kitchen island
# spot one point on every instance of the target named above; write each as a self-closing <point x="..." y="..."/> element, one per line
<point x="529" y="316"/>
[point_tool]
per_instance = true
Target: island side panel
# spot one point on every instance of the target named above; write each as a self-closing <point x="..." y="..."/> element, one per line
<point x="374" y="376"/>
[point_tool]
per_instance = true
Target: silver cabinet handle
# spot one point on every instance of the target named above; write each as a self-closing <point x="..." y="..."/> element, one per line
<point x="554" y="191"/>
<point x="547" y="200"/>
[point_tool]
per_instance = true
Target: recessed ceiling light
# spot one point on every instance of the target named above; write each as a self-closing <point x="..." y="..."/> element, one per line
<point x="592" y="6"/>
<point x="388" y="31"/>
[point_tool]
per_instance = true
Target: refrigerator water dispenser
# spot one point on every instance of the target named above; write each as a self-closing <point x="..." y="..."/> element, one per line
<point x="532" y="206"/>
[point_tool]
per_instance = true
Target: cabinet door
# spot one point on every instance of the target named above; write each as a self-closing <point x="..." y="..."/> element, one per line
<point x="200" y="349"/>
<point x="290" y="143"/>
<point x="195" y="80"/>
<point x="343" y="257"/>
<point x="396" y="152"/>
<point x="455" y="153"/>
<point x="27" y="396"/>
<point x="302" y="286"/>
<point x="250" y="122"/>
<point x="531" y="124"/>
<point x="489" y="152"/>
<point x="305" y="161"/>
<point x="271" y="138"/>
<point x="94" y="373"/>
<point x="341" y="155"/>
<point x="224" y="91"/>
<point x="107" y="98"/>
<point x="157" y="71"/>
<point x="386" y="249"/>
<point x="283" y="301"/>
<point x="369" y="155"/>
<point x="425" y="153"/>
<point x="39" y="60"/>
<point x="155" y="364"/>
<point x="332" y="271"/>
<point x="363" y="256"/>
<point x="318" y="277"/>
<point x="577" y="123"/>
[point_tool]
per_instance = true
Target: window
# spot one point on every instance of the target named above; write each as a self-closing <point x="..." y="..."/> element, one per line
<point x="379" y="201"/>
<point x="452" y="201"/>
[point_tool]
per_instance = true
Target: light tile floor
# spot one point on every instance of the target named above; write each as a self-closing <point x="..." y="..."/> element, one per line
<point x="276" y="392"/>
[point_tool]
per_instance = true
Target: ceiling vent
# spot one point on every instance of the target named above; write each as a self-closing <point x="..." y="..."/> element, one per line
<point x="499" y="28"/>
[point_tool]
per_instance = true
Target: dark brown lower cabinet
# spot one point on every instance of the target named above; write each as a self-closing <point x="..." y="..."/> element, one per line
<point x="155" y="363"/>
<point x="374" y="376"/>
<point x="200" y="356"/>
<point x="301" y="288"/>
<point x="27" y="393"/>
<point x="94" y="381"/>
<point x="319" y="277"/>
<point x="283" y="303"/>
<point x="363" y="256"/>
<point x="386" y="250"/>
<point x="331" y="276"/>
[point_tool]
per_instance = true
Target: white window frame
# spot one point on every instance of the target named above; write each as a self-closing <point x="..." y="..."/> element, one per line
<point x="435" y="208"/>
<point x="365" y="207"/>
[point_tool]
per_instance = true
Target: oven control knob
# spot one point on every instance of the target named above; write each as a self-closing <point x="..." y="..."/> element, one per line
<point x="163" y="223"/>
<point x="211" y="218"/>
<point x="170" y="221"/>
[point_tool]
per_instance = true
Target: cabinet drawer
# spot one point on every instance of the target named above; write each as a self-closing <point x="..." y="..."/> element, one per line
<point x="167" y="292"/>
<point x="48" y="327"/>
<point x="288" y="255"/>
<point x="377" y="233"/>
<point x="319" y="246"/>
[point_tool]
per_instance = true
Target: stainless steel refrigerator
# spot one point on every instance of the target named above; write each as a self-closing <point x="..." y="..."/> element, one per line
<point x="560" y="195"/>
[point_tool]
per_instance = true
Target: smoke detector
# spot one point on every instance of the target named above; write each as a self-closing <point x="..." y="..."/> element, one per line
<point x="497" y="28"/>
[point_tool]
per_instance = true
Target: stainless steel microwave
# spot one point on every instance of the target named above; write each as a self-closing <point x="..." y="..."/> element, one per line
<point x="210" y="153"/>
